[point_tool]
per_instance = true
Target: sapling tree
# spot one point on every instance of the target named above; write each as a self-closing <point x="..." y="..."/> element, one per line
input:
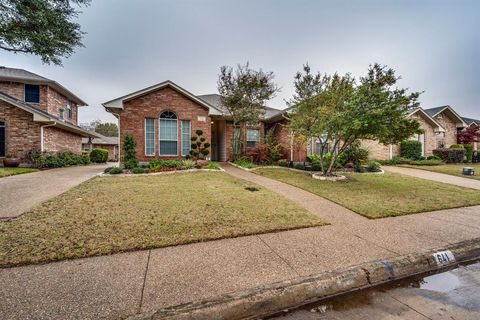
<point x="200" y="148"/>
<point x="244" y="92"/>
<point x="130" y="160"/>
<point x="340" y="110"/>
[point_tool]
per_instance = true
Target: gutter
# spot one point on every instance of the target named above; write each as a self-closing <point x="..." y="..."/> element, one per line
<point x="54" y="123"/>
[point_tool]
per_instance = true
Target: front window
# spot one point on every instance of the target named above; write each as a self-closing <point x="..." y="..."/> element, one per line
<point x="253" y="137"/>
<point x="2" y="139"/>
<point x="186" y="135"/>
<point x="32" y="93"/>
<point x="149" y="137"/>
<point x="69" y="110"/>
<point x="168" y="134"/>
<point x="60" y="114"/>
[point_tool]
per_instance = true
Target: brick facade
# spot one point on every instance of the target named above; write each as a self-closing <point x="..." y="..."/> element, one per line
<point x="450" y="126"/>
<point x="151" y="105"/>
<point x="21" y="133"/>
<point x="229" y="136"/>
<point x="56" y="139"/>
<point x="283" y="137"/>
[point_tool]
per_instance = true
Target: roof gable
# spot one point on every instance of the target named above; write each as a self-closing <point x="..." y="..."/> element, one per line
<point x="428" y="118"/>
<point x="433" y="112"/>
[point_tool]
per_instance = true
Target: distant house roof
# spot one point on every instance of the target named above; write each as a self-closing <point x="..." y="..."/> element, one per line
<point x="21" y="75"/>
<point x="215" y="100"/>
<point x="42" y="116"/>
<point x="470" y="121"/>
<point x="433" y="112"/>
<point x="101" y="139"/>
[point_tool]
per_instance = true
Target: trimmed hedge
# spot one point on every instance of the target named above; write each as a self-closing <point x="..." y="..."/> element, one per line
<point x="450" y="155"/>
<point x="98" y="155"/>
<point x="57" y="159"/>
<point x="456" y="146"/>
<point x="468" y="151"/>
<point x="411" y="149"/>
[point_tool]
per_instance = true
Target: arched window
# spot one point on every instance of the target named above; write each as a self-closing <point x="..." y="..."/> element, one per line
<point x="2" y="138"/>
<point x="168" y="134"/>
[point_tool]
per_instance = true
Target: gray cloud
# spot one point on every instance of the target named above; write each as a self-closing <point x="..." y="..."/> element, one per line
<point x="433" y="45"/>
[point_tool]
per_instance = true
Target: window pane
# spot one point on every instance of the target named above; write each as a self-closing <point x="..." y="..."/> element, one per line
<point x="150" y="137"/>
<point x="185" y="137"/>
<point x="309" y="147"/>
<point x="168" y="136"/>
<point x="32" y="93"/>
<point x="2" y="139"/>
<point x="168" y="147"/>
<point x="253" y="136"/>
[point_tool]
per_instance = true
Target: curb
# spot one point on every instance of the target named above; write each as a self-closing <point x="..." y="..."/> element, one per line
<point x="273" y="298"/>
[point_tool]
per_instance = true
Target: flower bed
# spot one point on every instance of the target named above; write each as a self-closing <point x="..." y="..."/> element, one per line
<point x="161" y="166"/>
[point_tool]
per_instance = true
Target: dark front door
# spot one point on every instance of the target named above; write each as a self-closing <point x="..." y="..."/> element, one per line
<point x="2" y="139"/>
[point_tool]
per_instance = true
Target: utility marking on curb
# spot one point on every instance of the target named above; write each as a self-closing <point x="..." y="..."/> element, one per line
<point x="389" y="268"/>
<point x="444" y="257"/>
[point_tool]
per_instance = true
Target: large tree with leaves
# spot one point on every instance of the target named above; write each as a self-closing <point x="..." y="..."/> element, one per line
<point x="340" y="110"/>
<point x="244" y="92"/>
<point x="41" y="27"/>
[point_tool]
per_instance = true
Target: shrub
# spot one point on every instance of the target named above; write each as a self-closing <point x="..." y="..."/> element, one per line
<point x="199" y="146"/>
<point x="57" y="159"/>
<point x="456" y="146"/>
<point x="115" y="170"/>
<point x="299" y="166"/>
<point x="354" y="154"/>
<point x="138" y="170"/>
<point x="129" y="157"/>
<point x="468" y="151"/>
<point x="107" y="170"/>
<point x="282" y="162"/>
<point x="411" y="149"/>
<point x="244" y="162"/>
<point x="212" y="165"/>
<point x="450" y="155"/>
<point x="433" y="158"/>
<point x="98" y="155"/>
<point x="186" y="164"/>
<point x="275" y="153"/>
<point x="373" y="166"/>
<point x="259" y="153"/>
<point x="428" y="162"/>
<point x="165" y="163"/>
<point x="359" y="168"/>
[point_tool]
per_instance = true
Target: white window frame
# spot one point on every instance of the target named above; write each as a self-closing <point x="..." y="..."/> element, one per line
<point x="145" y="138"/>
<point x="188" y="142"/>
<point x="160" y="138"/>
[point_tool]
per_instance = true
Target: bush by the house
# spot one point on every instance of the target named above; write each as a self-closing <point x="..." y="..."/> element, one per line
<point x="115" y="170"/>
<point x="282" y="162"/>
<point x="456" y="146"/>
<point x="450" y="155"/>
<point x="354" y="154"/>
<point x="259" y="153"/>
<point x="468" y="152"/>
<point x="433" y="158"/>
<point x="165" y="163"/>
<point x="299" y="166"/>
<point x="186" y="164"/>
<point x="98" y="155"/>
<point x="373" y="166"/>
<point x="138" y="170"/>
<point x="130" y="160"/>
<point x="411" y="149"/>
<point x="427" y="162"/>
<point x="107" y="170"/>
<point x="57" y="159"/>
<point x="212" y="165"/>
<point x="199" y="146"/>
<point x="244" y="162"/>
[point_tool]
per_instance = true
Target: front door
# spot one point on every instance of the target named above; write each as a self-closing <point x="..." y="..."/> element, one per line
<point x="2" y="139"/>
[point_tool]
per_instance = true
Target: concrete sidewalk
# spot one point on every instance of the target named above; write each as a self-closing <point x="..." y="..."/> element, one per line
<point x="125" y="284"/>
<point x="22" y="192"/>
<point x="435" y="176"/>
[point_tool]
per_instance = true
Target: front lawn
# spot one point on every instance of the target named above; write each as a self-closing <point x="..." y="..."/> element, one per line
<point x="451" y="169"/>
<point x="384" y="195"/>
<point x="5" y="172"/>
<point x="115" y="214"/>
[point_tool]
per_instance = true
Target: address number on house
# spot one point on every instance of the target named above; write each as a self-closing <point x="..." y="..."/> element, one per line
<point x="444" y="257"/>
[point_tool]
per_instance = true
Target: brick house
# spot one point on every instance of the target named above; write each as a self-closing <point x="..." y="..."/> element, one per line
<point x="108" y="143"/>
<point x="37" y="113"/>
<point x="162" y="118"/>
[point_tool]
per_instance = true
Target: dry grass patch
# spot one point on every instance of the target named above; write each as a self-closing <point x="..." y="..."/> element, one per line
<point x="383" y="195"/>
<point x="115" y="214"/>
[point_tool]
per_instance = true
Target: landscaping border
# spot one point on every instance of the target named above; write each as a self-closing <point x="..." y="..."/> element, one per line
<point x="103" y="174"/>
<point x="273" y="298"/>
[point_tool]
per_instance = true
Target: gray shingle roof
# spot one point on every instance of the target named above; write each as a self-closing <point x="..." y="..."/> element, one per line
<point x="215" y="101"/>
<point x="469" y="121"/>
<point x="102" y="139"/>
<point x="433" y="111"/>
<point x="21" y="75"/>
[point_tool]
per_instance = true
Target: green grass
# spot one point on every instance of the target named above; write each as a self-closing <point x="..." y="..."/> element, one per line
<point x="115" y="214"/>
<point x="5" y="172"/>
<point x="384" y="195"/>
<point x="451" y="169"/>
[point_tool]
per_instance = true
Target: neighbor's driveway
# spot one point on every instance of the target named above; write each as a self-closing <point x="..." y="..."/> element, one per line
<point x="22" y="192"/>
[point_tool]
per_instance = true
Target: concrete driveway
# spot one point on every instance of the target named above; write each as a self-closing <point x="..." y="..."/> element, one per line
<point x="22" y="192"/>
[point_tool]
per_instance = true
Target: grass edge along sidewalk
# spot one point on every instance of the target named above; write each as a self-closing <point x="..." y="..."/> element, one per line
<point x="273" y="298"/>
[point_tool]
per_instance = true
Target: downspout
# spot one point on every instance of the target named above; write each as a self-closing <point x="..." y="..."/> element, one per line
<point x="41" y="134"/>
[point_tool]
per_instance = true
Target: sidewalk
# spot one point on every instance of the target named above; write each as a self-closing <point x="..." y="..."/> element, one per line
<point x="125" y="284"/>
<point x="435" y="176"/>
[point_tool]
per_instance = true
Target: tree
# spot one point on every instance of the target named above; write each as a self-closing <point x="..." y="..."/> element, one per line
<point x="244" y="92"/>
<point x="41" y="27"/>
<point x="108" y="129"/>
<point x="469" y="135"/>
<point x="340" y="110"/>
<point x="130" y="160"/>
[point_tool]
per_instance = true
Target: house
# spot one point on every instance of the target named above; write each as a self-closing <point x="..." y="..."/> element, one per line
<point x="37" y="113"/>
<point x="162" y="119"/>
<point x="103" y="142"/>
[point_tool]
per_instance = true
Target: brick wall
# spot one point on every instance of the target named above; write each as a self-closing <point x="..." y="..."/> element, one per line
<point x="55" y="139"/>
<point x="13" y="89"/>
<point x="450" y="127"/>
<point x="229" y="137"/>
<point x="151" y="105"/>
<point x="283" y="137"/>
<point x="22" y="134"/>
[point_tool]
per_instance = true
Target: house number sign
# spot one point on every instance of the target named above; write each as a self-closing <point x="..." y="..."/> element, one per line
<point x="444" y="257"/>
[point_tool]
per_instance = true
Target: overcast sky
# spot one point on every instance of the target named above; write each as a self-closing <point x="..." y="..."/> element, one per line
<point x="434" y="45"/>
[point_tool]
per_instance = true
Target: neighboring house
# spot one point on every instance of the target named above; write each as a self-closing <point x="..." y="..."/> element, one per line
<point x="472" y="122"/>
<point x="103" y="142"/>
<point x="37" y="113"/>
<point x="162" y="119"/>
